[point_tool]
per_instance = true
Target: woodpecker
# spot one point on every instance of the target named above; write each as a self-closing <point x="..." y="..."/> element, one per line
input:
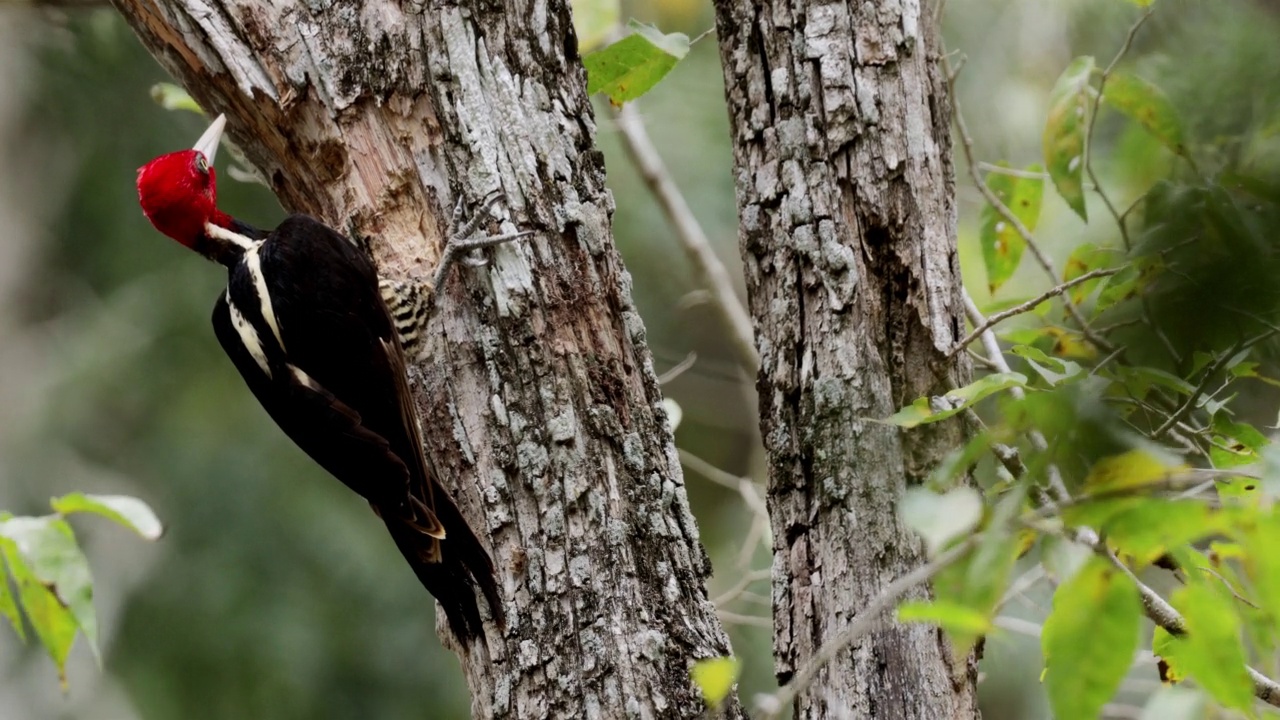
<point x="306" y="321"/>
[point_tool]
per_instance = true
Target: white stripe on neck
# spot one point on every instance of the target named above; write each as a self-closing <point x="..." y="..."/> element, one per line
<point x="248" y="336"/>
<point x="253" y="263"/>
<point x="217" y="232"/>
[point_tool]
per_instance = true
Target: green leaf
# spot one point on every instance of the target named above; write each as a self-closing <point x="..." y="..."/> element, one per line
<point x="929" y="410"/>
<point x="1152" y="526"/>
<point x="52" y="620"/>
<point x="1262" y="562"/>
<point x="1211" y="652"/>
<point x="1176" y="703"/>
<point x="595" y="21"/>
<point x="8" y="605"/>
<point x="1089" y="639"/>
<point x="46" y="547"/>
<point x="1235" y="443"/>
<point x="1002" y="246"/>
<point x="715" y="678"/>
<point x="631" y="67"/>
<point x="172" y="97"/>
<point x="979" y="580"/>
<point x="127" y="511"/>
<point x="953" y="617"/>
<point x="1054" y="370"/>
<point x="1128" y="283"/>
<point x="941" y="518"/>
<point x="1148" y="105"/>
<point x="1065" y="131"/>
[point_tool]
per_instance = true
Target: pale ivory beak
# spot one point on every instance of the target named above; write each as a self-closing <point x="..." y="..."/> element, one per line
<point x="208" y="142"/>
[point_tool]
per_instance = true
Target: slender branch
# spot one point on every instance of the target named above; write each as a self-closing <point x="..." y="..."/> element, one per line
<point x="1027" y="306"/>
<point x="710" y="272"/>
<point x="772" y="705"/>
<point x="1093" y="118"/>
<point x="1159" y="611"/>
<point x="1209" y="373"/>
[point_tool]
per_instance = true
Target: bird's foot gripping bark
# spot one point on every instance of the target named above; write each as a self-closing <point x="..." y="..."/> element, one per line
<point x="412" y="301"/>
<point x="462" y="239"/>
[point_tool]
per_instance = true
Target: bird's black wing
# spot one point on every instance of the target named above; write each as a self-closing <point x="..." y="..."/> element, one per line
<point x="325" y="427"/>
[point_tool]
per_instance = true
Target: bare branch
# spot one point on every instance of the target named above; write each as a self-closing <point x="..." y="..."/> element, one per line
<point x="1159" y="611"/>
<point x="708" y="269"/>
<point x="1028" y="306"/>
<point x="994" y="354"/>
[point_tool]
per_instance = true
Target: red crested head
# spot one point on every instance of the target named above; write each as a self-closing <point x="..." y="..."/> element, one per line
<point x="178" y="192"/>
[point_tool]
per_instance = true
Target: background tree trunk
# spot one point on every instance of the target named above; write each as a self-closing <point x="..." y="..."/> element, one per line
<point x="846" y="199"/>
<point x="539" y="403"/>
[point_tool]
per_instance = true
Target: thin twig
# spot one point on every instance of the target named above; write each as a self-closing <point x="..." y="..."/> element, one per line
<point x="1027" y="306"/>
<point x="678" y="369"/>
<point x="707" y="268"/>
<point x="1218" y="364"/>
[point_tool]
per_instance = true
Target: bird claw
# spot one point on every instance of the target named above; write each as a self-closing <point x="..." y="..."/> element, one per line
<point x="462" y="239"/>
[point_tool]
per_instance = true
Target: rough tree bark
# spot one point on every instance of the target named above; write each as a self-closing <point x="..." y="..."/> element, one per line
<point x="539" y="403"/>
<point x="846" y="199"/>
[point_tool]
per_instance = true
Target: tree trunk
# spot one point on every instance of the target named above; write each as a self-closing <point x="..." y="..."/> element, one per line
<point x="846" y="199"/>
<point x="539" y="403"/>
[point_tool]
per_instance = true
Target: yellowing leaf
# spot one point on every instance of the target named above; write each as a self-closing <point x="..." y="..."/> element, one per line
<point x="1002" y="246"/>
<point x="1071" y="344"/>
<point x="1132" y="469"/>
<point x="1148" y="105"/>
<point x="1087" y="257"/>
<point x="715" y="678"/>
<point x="1065" y="130"/>
<point x="1151" y="527"/>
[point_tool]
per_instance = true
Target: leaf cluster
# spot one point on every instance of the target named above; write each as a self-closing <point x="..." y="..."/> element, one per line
<point x="1122" y="426"/>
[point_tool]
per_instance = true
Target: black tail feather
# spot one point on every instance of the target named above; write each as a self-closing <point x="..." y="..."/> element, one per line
<point x="464" y="564"/>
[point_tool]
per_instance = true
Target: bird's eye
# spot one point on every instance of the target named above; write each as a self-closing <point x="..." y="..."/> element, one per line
<point x="202" y="165"/>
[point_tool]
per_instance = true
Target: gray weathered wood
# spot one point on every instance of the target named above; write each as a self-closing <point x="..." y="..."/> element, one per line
<point x="846" y="199"/>
<point x="539" y="401"/>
